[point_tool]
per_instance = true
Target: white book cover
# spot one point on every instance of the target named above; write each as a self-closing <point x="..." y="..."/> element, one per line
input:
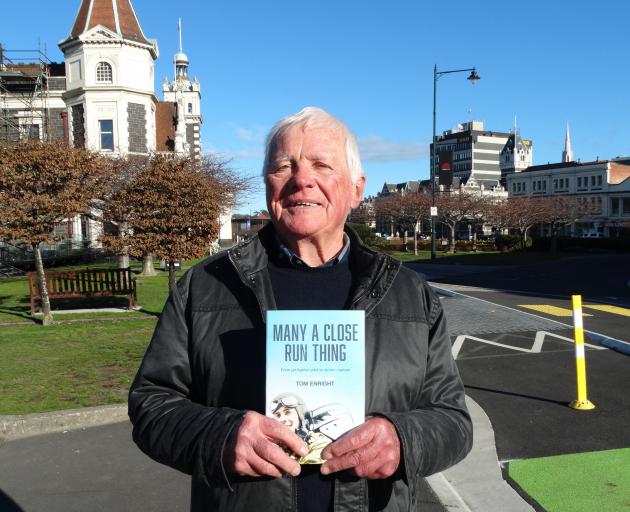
<point x="316" y="374"/>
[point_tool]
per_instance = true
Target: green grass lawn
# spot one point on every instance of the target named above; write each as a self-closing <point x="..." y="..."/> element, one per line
<point x="70" y="365"/>
<point x="67" y="366"/>
<point x="581" y="482"/>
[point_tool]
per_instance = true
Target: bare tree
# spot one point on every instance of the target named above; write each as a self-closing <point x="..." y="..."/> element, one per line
<point x="558" y="211"/>
<point x="406" y="210"/>
<point x="42" y="185"/>
<point x="170" y="207"/>
<point x="453" y="207"/>
<point x="525" y="212"/>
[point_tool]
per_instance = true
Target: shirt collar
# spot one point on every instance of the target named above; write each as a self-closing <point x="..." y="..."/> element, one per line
<point x="287" y="255"/>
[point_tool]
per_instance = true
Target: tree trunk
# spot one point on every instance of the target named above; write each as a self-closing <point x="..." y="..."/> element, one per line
<point x="553" y="246"/>
<point x="524" y="239"/>
<point x="147" y="266"/>
<point x="415" y="238"/>
<point x="123" y="261"/>
<point x="43" y="289"/>
<point x="405" y="241"/>
<point x="451" y="239"/>
<point x="171" y="275"/>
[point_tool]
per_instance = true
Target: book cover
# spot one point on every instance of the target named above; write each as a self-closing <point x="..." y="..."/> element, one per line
<point x="316" y="374"/>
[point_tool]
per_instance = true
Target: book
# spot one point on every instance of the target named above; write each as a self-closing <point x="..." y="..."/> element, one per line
<point x="316" y="374"/>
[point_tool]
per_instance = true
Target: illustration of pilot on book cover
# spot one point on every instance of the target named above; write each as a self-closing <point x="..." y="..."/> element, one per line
<point x="316" y="374"/>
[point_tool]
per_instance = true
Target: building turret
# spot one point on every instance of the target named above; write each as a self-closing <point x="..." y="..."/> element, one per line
<point x="110" y="92"/>
<point x="185" y="95"/>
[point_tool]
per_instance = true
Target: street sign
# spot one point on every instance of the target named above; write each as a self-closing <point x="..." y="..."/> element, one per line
<point x="433" y="211"/>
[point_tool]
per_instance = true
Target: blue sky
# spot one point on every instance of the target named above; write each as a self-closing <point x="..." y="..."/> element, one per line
<point x="371" y="65"/>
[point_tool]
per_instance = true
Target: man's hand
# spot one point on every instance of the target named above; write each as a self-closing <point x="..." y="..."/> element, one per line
<point x="371" y="450"/>
<point x="253" y="450"/>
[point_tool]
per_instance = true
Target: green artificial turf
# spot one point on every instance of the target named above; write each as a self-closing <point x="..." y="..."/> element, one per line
<point x="581" y="482"/>
<point x="65" y="366"/>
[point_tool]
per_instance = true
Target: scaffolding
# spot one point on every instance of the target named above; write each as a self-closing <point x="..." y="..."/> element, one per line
<point x="26" y="77"/>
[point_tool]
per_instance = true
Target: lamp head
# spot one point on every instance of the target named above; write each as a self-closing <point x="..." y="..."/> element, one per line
<point x="473" y="77"/>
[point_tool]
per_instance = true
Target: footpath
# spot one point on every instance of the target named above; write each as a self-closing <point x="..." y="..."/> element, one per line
<point x="63" y="461"/>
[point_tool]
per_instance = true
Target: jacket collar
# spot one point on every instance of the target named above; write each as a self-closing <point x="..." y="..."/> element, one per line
<point x="373" y="272"/>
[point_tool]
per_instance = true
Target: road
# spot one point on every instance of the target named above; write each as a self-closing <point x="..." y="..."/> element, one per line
<point x="601" y="278"/>
<point x="515" y="352"/>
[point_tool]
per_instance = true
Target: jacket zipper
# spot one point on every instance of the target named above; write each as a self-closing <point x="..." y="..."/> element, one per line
<point x="376" y="279"/>
<point x="248" y="284"/>
<point x="294" y="493"/>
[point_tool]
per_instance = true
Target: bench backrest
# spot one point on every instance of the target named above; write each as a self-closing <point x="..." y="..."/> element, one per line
<point x="84" y="282"/>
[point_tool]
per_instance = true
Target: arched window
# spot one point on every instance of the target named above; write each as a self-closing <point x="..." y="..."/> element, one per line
<point x="104" y="73"/>
<point x="190" y="108"/>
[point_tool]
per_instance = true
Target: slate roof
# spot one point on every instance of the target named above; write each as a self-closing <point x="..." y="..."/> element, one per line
<point x="116" y="15"/>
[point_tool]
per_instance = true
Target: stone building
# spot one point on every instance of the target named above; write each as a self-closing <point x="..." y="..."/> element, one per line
<point x="603" y="184"/>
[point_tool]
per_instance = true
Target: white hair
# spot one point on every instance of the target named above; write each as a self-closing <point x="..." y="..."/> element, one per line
<point x="313" y="116"/>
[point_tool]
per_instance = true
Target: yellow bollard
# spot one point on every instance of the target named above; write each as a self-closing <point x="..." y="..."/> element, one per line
<point x="582" y="403"/>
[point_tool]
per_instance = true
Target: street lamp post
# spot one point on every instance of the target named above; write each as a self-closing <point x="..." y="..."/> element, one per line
<point x="473" y="77"/>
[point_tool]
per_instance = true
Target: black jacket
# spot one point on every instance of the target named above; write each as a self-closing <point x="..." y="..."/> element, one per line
<point x="206" y="365"/>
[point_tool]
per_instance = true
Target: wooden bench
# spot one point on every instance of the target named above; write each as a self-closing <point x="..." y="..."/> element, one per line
<point x="83" y="283"/>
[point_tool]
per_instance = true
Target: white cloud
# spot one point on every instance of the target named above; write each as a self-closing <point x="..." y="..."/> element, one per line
<point x="246" y="153"/>
<point x="373" y="148"/>
<point x="377" y="149"/>
<point x="256" y="134"/>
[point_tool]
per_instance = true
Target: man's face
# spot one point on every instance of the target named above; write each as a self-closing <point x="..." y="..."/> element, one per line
<point x="287" y="416"/>
<point x="309" y="189"/>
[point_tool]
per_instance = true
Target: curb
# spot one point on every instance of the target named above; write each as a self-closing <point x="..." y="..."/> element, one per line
<point x="476" y="483"/>
<point x="27" y="425"/>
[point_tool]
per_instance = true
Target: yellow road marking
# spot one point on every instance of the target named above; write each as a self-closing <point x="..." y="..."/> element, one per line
<point x="550" y="310"/>
<point x="609" y="309"/>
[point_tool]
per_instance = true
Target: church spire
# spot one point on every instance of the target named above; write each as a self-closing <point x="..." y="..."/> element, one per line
<point x="567" y="154"/>
<point x="118" y="16"/>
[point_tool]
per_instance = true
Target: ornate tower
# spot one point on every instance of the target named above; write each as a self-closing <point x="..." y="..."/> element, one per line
<point x="109" y="67"/>
<point x="186" y="95"/>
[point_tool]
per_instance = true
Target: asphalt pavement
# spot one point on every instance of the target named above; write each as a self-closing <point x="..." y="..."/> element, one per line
<point x="100" y="469"/>
<point x="604" y="277"/>
<point x="96" y="469"/>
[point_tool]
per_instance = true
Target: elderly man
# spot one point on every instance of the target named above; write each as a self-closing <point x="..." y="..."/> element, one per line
<point x="198" y="400"/>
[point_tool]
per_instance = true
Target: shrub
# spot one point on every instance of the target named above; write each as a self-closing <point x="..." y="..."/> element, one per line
<point x="506" y="243"/>
<point x="368" y="237"/>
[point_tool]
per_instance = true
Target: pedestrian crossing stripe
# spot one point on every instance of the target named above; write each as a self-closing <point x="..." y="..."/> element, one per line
<point x="608" y="309"/>
<point x="550" y="310"/>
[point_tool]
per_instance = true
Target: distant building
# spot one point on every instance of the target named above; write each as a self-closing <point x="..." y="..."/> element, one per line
<point x="604" y="184"/>
<point x="485" y="155"/>
<point x="364" y="213"/>
<point x="406" y="187"/>
<point x="516" y="155"/>
<point x="245" y="226"/>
